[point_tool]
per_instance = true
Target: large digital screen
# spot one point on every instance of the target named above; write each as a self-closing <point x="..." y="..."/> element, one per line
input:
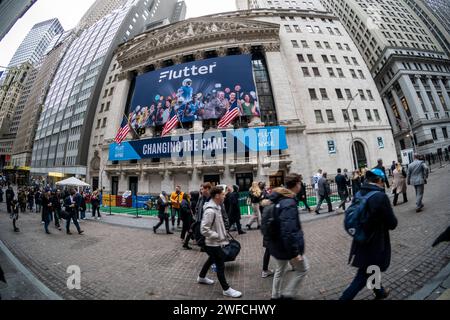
<point x="199" y="90"/>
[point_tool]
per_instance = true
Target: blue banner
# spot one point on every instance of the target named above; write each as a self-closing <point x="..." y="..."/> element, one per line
<point x="198" y="90"/>
<point x="218" y="142"/>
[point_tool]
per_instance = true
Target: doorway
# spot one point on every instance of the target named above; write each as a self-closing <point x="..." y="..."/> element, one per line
<point x="360" y="152"/>
<point x="213" y="179"/>
<point x="277" y="180"/>
<point x="244" y="181"/>
<point x="115" y="185"/>
<point x="133" y="185"/>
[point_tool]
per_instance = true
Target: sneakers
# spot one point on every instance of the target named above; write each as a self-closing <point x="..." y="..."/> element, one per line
<point x="80" y="232"/>
<point x="242" y="232"/>
<point x="248" y="227"/>
<point x="16" y="230"/>
<point x="266" y="274"/>
<point x="232" y="293"/>
<point x="205" y="281"/>
<point x="187" y="248"/>
<point x="154" y="230"/>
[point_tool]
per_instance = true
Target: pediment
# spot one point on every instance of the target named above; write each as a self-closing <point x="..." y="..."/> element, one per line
<point x="191" y="31"/>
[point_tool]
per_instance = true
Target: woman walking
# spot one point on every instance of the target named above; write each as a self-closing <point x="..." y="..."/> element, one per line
<point x="95" y="201"/>
<point x="47" y="209"/>
<point x="187" y="218"/>
<point x="399" y="184"/>
<point x="194" y="195"/>
<point x="356" y="182"/>
<point x="255" y="198"/>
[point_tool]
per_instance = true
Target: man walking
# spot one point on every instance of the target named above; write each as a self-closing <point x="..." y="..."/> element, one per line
<point x="213" y="228"/>
<point x="175" y="200"/>
<point x="289" y="245"/>
<point x="376" y="251"/>
<point x="380" y="166"/>
<point x="315" y="182"/>
<point x="71" y="208"/>
<point x="341" y="183"/>
<point x="232" y="208"/>
<point x="324" y="193"/>
<point x="417" y="176"/>
<point x="9" y="198"/>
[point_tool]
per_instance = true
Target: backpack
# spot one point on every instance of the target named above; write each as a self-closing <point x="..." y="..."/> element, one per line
<point x="356" y="217"/>
<point x="270" y="224"/>
<point x="197" y="234"/>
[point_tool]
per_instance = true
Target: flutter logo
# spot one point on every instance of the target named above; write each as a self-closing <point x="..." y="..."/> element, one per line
<point x="187" y="72"/>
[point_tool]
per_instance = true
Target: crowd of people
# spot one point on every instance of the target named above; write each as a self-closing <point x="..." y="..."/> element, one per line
<point x="207" y="216"/>
<point x="52" y="204"/>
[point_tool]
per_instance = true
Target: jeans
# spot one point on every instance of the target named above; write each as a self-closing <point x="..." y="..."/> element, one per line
<point x="82" y="214"/>
<point x="56" y="213"/>
<point x="266" y="260"/>
<point x="8" y="206"/>
<point x="358" y="283"/>
<point x="291" y="288"/>
<point x="175" y="213"/>
<point x="327" y="198"/>
<point x="343" y="195"/>
<point x="163" y="219"/>
<point x="38" y="207"/>
<point x="73" y="217"/>
<point x="256" y="215"/>
<point x="47" y="218"/>
<point x="419" y="195"/>
<point x="94" y="210"/>
<point x="217" y="257"/>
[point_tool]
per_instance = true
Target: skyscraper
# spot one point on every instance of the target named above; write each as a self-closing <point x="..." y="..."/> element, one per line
<point x="97" y="11"/>
<point x="435" y="14"/>
<point x="36" y="42"/>
<point x="10" y="12"/>
<point x="63" y="132"/>
<point x="410" y="68"/>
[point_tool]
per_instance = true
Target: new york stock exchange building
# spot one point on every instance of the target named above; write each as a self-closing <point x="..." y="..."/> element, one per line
<point x="302" y="90"/>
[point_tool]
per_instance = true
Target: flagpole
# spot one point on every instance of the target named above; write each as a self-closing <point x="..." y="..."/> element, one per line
<point x="128" y="121"/>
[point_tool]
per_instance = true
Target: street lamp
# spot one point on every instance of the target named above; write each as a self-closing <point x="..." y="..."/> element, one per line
<point x="355" y="160"/>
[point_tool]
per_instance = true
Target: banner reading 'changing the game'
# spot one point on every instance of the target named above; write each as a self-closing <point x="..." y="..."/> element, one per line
<point x="199" y="90"/>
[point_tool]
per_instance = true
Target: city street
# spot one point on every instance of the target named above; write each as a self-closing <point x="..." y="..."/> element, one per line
<point x="122" y="262"/>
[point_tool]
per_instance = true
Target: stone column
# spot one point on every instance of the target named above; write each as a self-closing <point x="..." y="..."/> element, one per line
<point x="285" y="103"/>
<point x="423" y="93"/>
<point x="117" y="105"/>
<point x="391" y="115"/>
<point x="444" y="94"/>
<point x="401" y="110"/>
<point x="411" y="96"/>
<point x="437" y="100"/>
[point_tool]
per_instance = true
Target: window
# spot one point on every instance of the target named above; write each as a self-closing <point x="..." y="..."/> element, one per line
<point x="339" y="46"/>
<point x="312" y="94"/>
<point x="318" y="45"/>
<point x="339" y="94"/>
<point x="111" y="91"/>
<point x="445" y="133"/>
<point x="99" y="122"/>
<point x="433" y="133"/>
<point x="325" y="59"/>
<point x="334" y="59"/>
<point x="347" y="47"/>
<point x="287" y="28"/>
<point x="297" y="28"/>
<point x="369" y="94"/>
<point x="355" y="62"/>
<point x="324" y="94"/>
<point x="331" y="72"/>
<point x="295" y="43"/>
<point x="340" y="73"/>
<point x="317" y="29"/>
<point x="305" y="44"/>
<point x="104" y="123"/>
<point x="361" y="74"/>
<point x="310" y="29"/>
<point x="316" y="72"/>
<point x="330" y="115"/>
<point x="355" y="114"/>
<point x="361" y="94"/>
<point x="101" y="108"/>
<point x="348" y="92"/>
<point x="345" y="115"/>
<point x="353" y="73"/>
<point x="369" y="115"/>
<point x="310" y="58"/>
<point x="347" y="60"/>
<point x="306" y="72"/>
<point x="300" y="58"/>
<point x="108" y="104"/>
<point x="327" y="45"/>
<point x="377" y="115"/>
<point x="319" y="118"/>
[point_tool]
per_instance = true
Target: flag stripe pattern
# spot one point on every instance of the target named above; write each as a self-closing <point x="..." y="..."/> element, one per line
<point x="228" y="118"/>
<point x="170" y="125"/>
<point x="122" y="134"/>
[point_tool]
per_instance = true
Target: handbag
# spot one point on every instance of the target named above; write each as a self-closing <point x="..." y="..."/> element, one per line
<point x="232" y="249"/>
<point x="64" y="215"/>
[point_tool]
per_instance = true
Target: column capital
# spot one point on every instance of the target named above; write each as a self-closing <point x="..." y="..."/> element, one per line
<point x="429" y="77"/>
<point x="418" y="76"/>
<point x="440" y="77"/>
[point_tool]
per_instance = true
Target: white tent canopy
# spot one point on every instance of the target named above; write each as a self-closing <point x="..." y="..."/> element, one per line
<point x="72" y="182"/>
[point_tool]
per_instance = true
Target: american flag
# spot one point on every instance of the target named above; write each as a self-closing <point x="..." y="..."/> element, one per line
<point x="170" y="125"/>
<point x="122" y="134"/>
<point x="228" y="117"/>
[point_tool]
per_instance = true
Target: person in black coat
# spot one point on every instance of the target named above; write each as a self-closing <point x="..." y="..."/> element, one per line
<point x="186" y="217"/>
<point x="301" y="196"/>
<point x="47" y="210"/>
<point x="377" y="250"/>
<point x="289" y="245"/>
<point x="381" y="167"/>
<point x="9" y="198"/>
<point x="161" y="205"/>
<point x="1" y="194"/>
<point x="70" y="205"/>
<point x="233" y="209"/>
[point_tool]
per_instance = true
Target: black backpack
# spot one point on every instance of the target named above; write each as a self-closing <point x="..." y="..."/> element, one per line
<point x="270" y="222"/>
<point x="197" y="234"/>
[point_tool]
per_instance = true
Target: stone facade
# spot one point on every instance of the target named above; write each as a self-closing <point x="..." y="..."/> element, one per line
<point x="258" y="32"/>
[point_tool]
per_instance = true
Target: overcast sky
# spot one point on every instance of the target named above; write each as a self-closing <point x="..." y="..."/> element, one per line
<point x="69" y="12"/>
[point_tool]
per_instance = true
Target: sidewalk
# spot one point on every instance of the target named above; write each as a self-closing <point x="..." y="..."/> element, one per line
<point x="437" y="288"/>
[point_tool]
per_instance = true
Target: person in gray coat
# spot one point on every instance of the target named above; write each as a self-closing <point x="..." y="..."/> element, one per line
<point x="417" y="176"/>
<point x="324" y="193"/>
